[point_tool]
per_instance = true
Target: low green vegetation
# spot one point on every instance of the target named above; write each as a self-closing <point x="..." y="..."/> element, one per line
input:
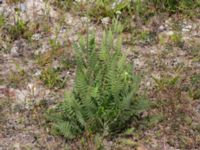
<point x="108" y="8"/>
<point x="175" y="5"/>
<point x="47" y="58"/>
<point x="104" y="98"/>
<point x="51" y="78"/>
<point x="195" y="89"/>
<point x="14" y="1"/>
<point x="2" y="21"/>
<point x="177" y="39"/>
<point x="111" y="8"/>
<point x="17" y="77"/>
<point x="176" y="107"/>
<point x="64" y="4"/>
<point x="143" y="38"/>
<point x="19" y="30"/>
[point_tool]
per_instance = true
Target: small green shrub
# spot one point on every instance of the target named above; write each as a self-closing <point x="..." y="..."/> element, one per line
<point x="104" y="98"/>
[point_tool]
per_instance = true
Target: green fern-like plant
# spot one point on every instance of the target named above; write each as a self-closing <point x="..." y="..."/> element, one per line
<point x="104" y="98"/>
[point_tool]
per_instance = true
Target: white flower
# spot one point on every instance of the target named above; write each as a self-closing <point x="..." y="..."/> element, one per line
<point x="118" y="12"/>
<point x="170" y="33"/>
<point x="36" y="37"/>
<point x="105" y="20"/>
<point x="80" y="1"/>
